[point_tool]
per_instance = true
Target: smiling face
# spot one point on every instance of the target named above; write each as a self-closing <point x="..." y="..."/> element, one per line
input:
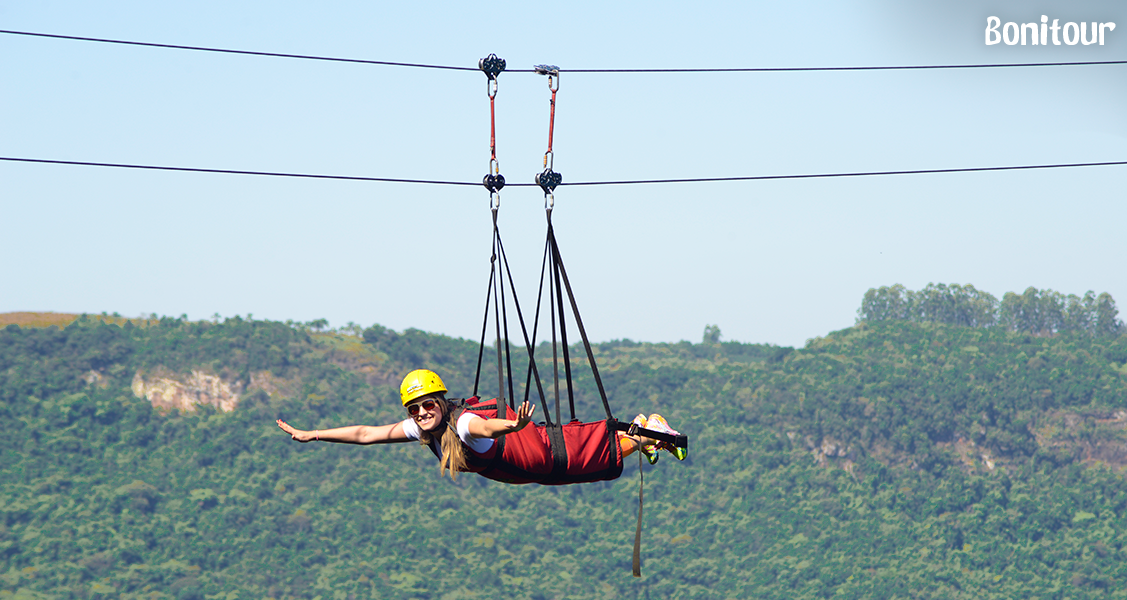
<point x="428" y="419"/>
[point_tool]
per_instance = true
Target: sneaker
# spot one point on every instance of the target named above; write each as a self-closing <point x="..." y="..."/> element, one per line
<point x="657" y="423"/>
<point x="650" y="450"/>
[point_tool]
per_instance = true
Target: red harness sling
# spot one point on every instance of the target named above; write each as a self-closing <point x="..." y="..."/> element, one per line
<point x="549" y="455"/>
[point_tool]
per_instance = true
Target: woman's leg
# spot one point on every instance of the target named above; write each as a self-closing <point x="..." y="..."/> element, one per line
<point x="630" y="443"/>
<point x="656" y="422"/>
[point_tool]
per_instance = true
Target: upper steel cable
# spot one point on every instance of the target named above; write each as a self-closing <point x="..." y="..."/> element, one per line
<point x="658" y="70"/>
<point x="244" y="52"/>
<point x="867" y="68"/>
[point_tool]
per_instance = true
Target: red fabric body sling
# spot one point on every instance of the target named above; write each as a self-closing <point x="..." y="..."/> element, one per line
<point x="557" y="455"/>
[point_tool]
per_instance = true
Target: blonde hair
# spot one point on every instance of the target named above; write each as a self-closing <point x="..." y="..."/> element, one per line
<point x="453" y="452"/>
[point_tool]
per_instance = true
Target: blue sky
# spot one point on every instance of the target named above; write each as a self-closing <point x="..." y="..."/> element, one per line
<point x="766" y="261"/>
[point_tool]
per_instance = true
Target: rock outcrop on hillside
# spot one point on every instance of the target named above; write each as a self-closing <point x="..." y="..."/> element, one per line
<point x="185" y="393"/>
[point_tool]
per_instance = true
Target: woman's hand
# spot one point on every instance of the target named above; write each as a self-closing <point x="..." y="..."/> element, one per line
<point x="524" y="417"/>
<point x="352" y="434"/>
<point x="296" y="434"/>
<point x="495" y="428"/>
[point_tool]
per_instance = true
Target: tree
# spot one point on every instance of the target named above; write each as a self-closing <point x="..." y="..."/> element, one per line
<point x="711" y="335"/>
<point x="1079" y="313"/>
<point x="954" y="305"/>
<point x="1033" y="311"/>
<point x="937" y="303"/>
<point x="318" y="324"/>
<point x="1106" y="321"/>
<point x="884" y="304"/>
<point x="1040" y="312"/>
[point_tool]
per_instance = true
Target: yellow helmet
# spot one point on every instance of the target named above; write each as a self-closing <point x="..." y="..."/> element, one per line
<point x="419" y="383"/>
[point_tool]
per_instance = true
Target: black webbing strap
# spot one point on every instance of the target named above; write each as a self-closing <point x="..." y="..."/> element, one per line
<point x="484" y="322"/>
<point x="497" y="325"/>
<point x="559" y="450"/>
<point x="523" y="331"/>
<point x="555" y="348"/>
<point x="434" y="450"/>
<point x="556" y="265"/>
<point x="535" y="330"/>
<point x="579" y="321"/>
<point x="503" y="318"/>
<point x="632" y="429"/>
<point x="496" y="292"/>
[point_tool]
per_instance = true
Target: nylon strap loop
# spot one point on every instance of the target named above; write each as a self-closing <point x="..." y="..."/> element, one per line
<point x="637" y="567"/>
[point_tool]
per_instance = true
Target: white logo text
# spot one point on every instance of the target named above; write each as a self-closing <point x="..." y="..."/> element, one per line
<point x="1039" y="33"/>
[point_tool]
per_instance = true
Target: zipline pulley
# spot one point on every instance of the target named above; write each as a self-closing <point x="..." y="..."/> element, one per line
<point x="492" y="66"/>
<point x="548" y="180"/>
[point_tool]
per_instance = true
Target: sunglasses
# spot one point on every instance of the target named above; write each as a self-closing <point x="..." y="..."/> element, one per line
<point x="413" y="409"/>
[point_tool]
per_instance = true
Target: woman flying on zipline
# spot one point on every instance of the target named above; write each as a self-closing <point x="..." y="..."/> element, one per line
<point x="470" y="437"/>
<point x="491" y="438"/>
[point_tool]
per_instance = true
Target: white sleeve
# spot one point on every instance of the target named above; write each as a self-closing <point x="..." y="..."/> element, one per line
<point x="411" y="429"/>
<point x="479" y="445"/>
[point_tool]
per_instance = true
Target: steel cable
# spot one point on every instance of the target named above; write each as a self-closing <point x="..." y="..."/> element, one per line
<point x="656" y="70"/>
<point x="575" y="183"/>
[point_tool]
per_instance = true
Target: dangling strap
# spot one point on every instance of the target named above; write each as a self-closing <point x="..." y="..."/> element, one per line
<point x="637" y="567"/>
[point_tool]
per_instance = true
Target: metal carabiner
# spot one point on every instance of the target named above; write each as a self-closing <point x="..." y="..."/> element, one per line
<point x="494" y="201"/>
<point x="549" y="160"/>
<point x="491" y="88"/>
<point x="549" y="202"/>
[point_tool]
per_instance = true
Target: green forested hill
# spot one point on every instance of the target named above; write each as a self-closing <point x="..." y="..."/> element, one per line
<point x="889" y="460"/>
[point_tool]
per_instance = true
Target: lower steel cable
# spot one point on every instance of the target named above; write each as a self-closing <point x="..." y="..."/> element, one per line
<point x="622" y="182"/>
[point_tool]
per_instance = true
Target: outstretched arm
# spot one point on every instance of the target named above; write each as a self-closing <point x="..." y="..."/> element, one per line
<point x="353" y="434"/>
<point x="495" y="428"/>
